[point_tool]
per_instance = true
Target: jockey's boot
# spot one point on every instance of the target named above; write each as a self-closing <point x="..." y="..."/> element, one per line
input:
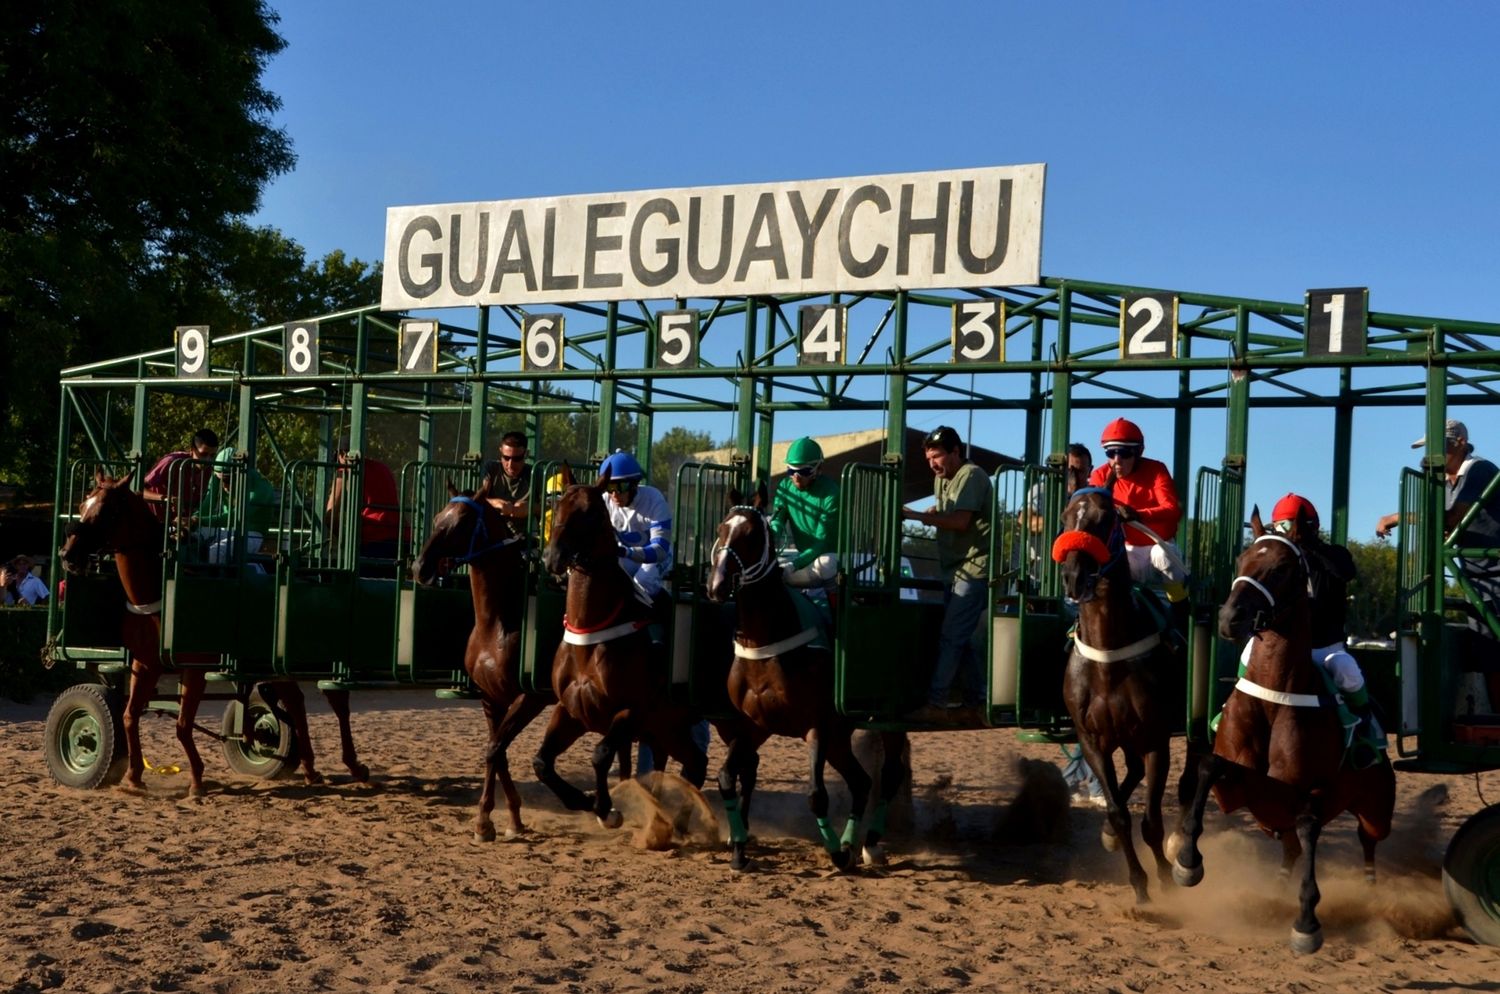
<point x="661" y="617"/>
<point x="1367" y="742"/>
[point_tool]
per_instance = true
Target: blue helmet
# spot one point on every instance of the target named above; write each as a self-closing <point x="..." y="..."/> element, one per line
<point x="621" y="466"/>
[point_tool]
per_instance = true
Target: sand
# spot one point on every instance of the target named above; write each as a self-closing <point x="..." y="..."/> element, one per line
<point x="277" y="886"/>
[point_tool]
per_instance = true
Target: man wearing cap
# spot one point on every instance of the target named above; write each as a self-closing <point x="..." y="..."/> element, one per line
<point x="1330" y="568"/>
<point x="961" y="518"/>
<point x="1467" y="477"/>
<point x="807" y="504"/>
<point x="214" y="513"/>
<point x="1144" y="496"/>
<point x="642" y="521"/>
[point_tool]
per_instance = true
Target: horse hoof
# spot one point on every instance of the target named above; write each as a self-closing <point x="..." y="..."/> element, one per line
<point x="843" y="858"/>
<point x="484" y="833"/>
<point x="360" y="772"/>
<point x="313" y="778"/>
<point x="1304" y="943"/>
<point x="1184" y="876"/>
<point x="1109" y="840"/>
<point x="875" y="855"/>
<point x="196" y="790"/>
<point x="513" y="835"/>
<point x="612" y="820"/>
<point x="1173" y="845"/>
<point x="133" y="789"/>
<point x="739" y="861"/>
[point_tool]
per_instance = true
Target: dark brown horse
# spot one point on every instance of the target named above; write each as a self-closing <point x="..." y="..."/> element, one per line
<point x="782" y="683"/>
<point x="469" y="531"/>
<point x="115" y="518"/>
<point x="608" y="677"/>
<point x="1280" y="744"/>
<point x="1115" y="685"/>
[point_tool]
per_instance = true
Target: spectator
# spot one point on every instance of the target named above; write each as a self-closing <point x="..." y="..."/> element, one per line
<point x="21" y="586"/>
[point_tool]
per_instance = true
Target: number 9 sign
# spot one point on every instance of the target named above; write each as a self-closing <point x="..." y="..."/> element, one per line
<point x="192" y="351"/>
<point x="542" y="341"/>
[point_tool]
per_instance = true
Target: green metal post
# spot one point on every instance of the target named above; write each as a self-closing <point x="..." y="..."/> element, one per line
<point x="1237" y="427"/>
<point x="1343" y="439"/>
<point x="1182" y="437"/>
<point x="1062" y="378"/>
<point x="1034" y="406"/>
<point x="139" y="411"/>
<point x="607" y="391"/>
<point x="895" y="414"/>
<point x="764" y="421"/>
<point x="744" y="441"/>
<point x="479" y="392"/>
<point x="246" y="436"/>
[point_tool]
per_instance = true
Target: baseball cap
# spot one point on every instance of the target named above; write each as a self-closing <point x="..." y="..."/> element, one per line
<point x="1453" y="431"/>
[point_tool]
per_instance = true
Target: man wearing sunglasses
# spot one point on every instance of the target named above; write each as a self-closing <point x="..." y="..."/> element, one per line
<point x="807" y="504"/>
<point x="510" y="477"/>
<point x="961" y="518"/>
<point x="1144" y="494"/>
<point x="1330" y="568"/>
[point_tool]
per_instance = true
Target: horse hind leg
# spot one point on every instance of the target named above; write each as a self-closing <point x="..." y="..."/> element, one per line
<point x="842" y="757"/>
<point x="143" y="679"/>
<point x="1118" y="816"/>
<point x="893" y="746"/>
<point x="338" y="700"/>
<point x="287" y="703"/>
<point x="1291" y="851"/>
<point x="617" y="738"/>
<point x="1187" y="864"/>
<point x="1153" y="825"/>
<point x="497" y="762"/>
<point x="191" y="683"/>
<point x="562" y="731"/>
<point x="839" y="850"/>
<point x="734" y="789"/>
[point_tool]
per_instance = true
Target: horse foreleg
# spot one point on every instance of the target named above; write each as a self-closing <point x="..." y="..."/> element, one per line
<point x="621" y="731"/>
<point x="143" y="679"/>
<point x="737" y="805"/>
<point x="1291" y="851"/>
<point x="842" y="757"/>
<point x="1187" y="865"/>
<point x="190" y="695"/>
<point x="1307" y="933"/>
<point x="497" y="762"/>
<point x="1117" y="814"/>
<point x="1153" y="825"/>
<point x="338" y="700"/>
<point x="683" y="746"/>
<point x="817" y="791"/>
<point x="562" y="731"/>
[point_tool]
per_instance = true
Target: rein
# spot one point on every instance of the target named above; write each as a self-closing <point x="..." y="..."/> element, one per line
<point x="762" y="568"/>
<point x="1252" y="582"/>
<point x="481" y="533"/>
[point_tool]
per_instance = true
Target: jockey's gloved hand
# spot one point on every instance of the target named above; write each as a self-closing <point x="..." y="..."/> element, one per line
<point x="624" y="550"/>
<point x="1126" y="512"/>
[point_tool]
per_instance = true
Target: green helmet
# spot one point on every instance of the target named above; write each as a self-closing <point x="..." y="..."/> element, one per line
<point x="804" y="452"/>
<point x="224" y="458"/>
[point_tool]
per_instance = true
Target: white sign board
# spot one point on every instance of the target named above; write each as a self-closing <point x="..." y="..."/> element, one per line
<point x="954" y="228"/>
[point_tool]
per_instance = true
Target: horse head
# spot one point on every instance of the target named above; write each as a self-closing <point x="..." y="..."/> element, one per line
<point x="1271" y="580"/>
<point x="112" y="517"/>
<point x="1092" y="542"/>
<point x="466" y="528"/>
<point x="581" y="529"/>
<point x="742" y="549"/>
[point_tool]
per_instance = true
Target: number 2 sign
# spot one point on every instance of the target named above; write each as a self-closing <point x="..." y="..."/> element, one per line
<point x="1148" y="326"/>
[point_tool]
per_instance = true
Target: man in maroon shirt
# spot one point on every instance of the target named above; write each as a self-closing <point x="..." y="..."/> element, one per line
<point x="379" y="517"/>
<point x="163" y="489"/>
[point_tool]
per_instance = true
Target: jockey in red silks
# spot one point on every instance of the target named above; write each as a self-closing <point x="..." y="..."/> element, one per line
<point x="1147" y="502"/>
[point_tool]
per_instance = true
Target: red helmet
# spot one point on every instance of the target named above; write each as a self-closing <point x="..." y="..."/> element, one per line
<point x="1292" y="508"/>
<point x="1120" y="431"/>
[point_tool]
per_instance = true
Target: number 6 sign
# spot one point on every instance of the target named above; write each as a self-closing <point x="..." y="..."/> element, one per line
<point x="542" y="341"/>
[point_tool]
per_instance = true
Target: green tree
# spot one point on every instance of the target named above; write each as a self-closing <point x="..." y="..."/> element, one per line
<point x="671" y="451"/>
<point x="136" y="134"/>
<point x="1372" y="597"/>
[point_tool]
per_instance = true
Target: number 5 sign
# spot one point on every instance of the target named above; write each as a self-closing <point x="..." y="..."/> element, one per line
<point x="1148" y="326"/>
<point x="1336" y="321"/>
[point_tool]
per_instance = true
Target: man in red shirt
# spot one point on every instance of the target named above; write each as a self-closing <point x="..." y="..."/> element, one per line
<point x="1144" y="495"/>
<point x="379" y="515"/>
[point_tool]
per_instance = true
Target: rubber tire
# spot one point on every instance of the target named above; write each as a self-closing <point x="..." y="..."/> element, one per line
<point x="1471" y="875"/>
<point x="261" y="763"/>
<point x="84" y="724"/>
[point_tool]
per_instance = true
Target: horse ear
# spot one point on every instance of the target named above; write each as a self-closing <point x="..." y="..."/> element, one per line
<point x="760" y="500"/>
<point x="452" y="490"/>
<point x="1257" y="526"/>
<point x="99" y="478"/>
<point x="735" y="498"/>
<point x="567" y="475"/>
<point x="604" y="474"/>
<point x="483" y="493"/>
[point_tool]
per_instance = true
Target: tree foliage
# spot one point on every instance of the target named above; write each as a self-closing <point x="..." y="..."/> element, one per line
<point x="137" y="136"/>
<point x="1372" y="597"/>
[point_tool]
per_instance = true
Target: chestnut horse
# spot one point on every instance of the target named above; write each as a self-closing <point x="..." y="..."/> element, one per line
<point x="782" y="683"/>
<point x="608" y="677"/>
<point x="1280" y="744"/>
<point x="1116" y="682"/>
<point x="469" y="531"/>
<point x="115" y="518"/>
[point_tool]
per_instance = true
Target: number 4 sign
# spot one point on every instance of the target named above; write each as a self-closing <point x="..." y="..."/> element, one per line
<point x="1336" y="321"/>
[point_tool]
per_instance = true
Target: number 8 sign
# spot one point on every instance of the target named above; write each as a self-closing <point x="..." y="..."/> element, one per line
<point x="299" y="350"/>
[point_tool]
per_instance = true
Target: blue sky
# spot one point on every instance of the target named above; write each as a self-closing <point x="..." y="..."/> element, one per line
<point x="1254" y="150"/>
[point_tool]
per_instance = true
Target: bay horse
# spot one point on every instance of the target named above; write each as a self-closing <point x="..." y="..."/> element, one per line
<point x="782" y="683"/>
<point x="1280" y="745"/>
<point x="115" y="518"/>
<point x="1115" y="682"/>
<point x="470" y="531"/>
<point x="607" y="676"/>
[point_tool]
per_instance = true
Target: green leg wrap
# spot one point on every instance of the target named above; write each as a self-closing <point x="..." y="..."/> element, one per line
<point x="830" y="841"/>
<point x="877" y="818"/>
<point x="737" y="830"/>
<point x="1358" y="700"/>
<point x="850" y="830"/>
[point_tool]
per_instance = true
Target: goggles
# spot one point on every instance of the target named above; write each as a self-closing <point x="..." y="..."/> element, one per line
<point x="1122" y="452"/>
<point x="621" y="486"/>
<point x="519" y="458"/>
<point x="1284" y="526"/>
<point x="802" y="470"/>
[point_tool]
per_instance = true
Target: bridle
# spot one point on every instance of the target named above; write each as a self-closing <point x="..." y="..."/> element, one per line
<point x="480" y="534"/>
<point x="1263" y="619"/>
<point x="759" y="570"/>
<point x="1106" y="552"/>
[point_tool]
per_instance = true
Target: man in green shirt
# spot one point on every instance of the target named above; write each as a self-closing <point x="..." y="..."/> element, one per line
<point x="961" y="517"/>
<point x="807" y="505"/>
<point x="214" y="513"/>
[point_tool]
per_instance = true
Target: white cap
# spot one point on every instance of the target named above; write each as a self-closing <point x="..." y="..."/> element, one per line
<point x="1453" y="431"/>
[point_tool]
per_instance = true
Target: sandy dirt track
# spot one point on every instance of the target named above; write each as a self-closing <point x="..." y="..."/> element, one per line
<point x="277" y="886"/>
